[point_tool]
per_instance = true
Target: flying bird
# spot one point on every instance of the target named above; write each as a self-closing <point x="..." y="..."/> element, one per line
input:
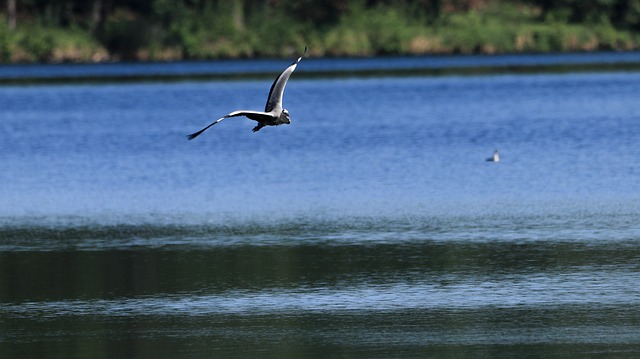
<point x="273" y="114"/>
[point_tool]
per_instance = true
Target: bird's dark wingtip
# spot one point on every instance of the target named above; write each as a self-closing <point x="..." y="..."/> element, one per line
<point x="193" y="135"/>
<point x="301" y="56"/>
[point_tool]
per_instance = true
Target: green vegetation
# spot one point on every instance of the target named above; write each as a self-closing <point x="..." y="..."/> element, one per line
<point x="161" y="30"/>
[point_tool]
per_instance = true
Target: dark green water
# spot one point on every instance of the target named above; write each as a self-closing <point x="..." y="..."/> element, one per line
<point x="437" y="286"/>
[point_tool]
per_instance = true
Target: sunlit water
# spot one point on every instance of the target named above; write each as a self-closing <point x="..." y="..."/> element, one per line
<point x="372" y="226"/>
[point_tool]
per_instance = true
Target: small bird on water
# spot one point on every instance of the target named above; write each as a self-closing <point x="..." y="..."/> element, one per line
<point x="495" y="158"/>
<point x="274" y="114"/>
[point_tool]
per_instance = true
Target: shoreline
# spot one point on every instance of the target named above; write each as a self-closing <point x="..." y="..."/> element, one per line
<point x="325" y="67"/>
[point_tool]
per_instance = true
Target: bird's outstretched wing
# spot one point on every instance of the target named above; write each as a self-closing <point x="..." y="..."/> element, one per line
<point x="254" y="115"/>
<point x="274" y="102"/>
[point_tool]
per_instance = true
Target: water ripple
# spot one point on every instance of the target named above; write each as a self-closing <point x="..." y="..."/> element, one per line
<point x="602" y="288"/>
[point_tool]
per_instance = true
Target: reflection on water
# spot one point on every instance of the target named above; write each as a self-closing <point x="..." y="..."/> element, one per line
<point x="616" y="288"/>
<point x="469" y="286"/>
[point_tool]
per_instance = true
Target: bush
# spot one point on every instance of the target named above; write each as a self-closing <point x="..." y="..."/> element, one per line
<point x="279" y="36"/>
<point x="374" y="31"/>
<point x="6" y="42"/>
<point x="37" y="43"/>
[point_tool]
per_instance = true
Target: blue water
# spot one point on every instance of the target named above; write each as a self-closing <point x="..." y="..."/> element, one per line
<point x="313" y="65"/>
<point x="359" y="146"/>
<point x="371" y="226"/>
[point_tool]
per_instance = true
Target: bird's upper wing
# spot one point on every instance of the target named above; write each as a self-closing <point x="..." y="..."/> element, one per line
<point x="274" y="102"/>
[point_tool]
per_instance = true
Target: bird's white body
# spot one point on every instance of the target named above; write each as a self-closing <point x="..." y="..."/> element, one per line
<point x="495" y="158"/>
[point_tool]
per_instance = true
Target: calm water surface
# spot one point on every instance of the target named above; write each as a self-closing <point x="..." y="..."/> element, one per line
<point x="312" y="65"/>
<point x="372" y="226"/>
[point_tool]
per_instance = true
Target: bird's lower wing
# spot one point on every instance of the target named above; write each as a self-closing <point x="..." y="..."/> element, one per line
<point x="196" y="134"/>
<point x="254" y="115"/>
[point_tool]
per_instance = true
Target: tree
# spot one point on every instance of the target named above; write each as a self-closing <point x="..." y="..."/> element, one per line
<point x="238" y="14"/>
<point x="98" y="14"/>
<point x="11" y="14"/>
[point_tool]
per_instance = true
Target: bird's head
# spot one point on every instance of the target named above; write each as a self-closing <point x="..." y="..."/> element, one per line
<point x="285" y="116"/>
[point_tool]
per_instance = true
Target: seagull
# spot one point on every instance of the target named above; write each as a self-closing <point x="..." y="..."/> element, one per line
<point x="495" y="158"/>
<point x="273" y="114"/>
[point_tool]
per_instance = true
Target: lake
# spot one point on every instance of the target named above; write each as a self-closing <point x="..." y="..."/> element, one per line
<point x="371" y="226"/>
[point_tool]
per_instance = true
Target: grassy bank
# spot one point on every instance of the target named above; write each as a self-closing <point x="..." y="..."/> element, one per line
<point x="211" y="33"/>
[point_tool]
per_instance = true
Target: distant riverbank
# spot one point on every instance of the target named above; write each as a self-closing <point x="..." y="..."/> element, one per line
<point x="362" y="31"/>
